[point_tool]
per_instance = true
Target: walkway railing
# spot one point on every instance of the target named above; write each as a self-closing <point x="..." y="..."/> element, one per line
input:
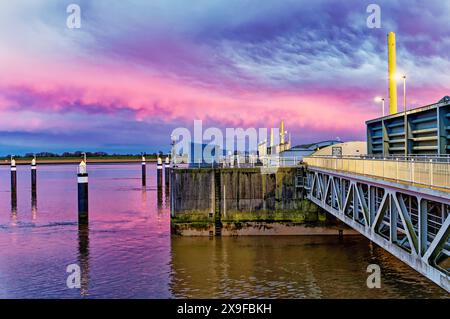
<point x="433" y="172"/>
<point x="243" y="161"/>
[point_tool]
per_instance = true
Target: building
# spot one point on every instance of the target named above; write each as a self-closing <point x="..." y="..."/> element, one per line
<point x="276" y="144"/>
<point x="427" y="131"/>
<point x="355" y="148"/>
<point x="300" y="151"/>
<point x="204" y="154"/>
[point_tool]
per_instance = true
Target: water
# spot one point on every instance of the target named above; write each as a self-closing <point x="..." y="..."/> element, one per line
<point x="127" y="250"/>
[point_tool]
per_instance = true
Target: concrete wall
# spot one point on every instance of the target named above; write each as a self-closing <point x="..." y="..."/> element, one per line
<point x="246" y="195"/>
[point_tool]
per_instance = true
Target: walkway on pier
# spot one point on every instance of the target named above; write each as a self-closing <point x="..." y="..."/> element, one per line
<point x="401" y="204"/>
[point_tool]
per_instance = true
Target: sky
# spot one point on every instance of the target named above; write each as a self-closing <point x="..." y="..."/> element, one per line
<point x="136" y="70"/>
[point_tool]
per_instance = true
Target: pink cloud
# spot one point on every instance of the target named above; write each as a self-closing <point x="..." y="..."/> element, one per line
<point x="57" y="86"/>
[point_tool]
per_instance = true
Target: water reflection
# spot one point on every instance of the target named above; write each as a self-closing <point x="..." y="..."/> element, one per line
<point x="33" y="207"/>
<point x="83" y="257"/>
<point x="160" y="196"/>
<point x="144" y="197"/>
<point x="13" y="215"/>
<point x="13" y="207"/>
<point x="167" y="196"/>
<point x="288" y="267"/>
<point x="127" y="231"/>
<point x="14" y="201"/>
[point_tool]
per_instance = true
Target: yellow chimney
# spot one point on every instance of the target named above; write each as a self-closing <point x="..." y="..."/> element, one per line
<point x="392" y="73"/>
<point x="282" y="132"/>
<point x="271" y="137"/>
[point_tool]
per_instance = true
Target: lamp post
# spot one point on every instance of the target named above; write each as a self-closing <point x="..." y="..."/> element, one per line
<point x="380" y="99"/>
<point x="406" y="121"/>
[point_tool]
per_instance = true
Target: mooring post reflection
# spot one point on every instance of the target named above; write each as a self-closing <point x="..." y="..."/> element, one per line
<point x="13" y="211"/>
<point x="144" y="196"/>
<point x="167" y="197"/>
<point x="83" y="256"/>
<point x="14" y="201"/>
<point x="33" y="206"/>
<point x="160" y="196"/>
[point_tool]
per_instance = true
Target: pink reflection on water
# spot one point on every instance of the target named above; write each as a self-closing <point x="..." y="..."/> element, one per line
<point x="124" y="252"/>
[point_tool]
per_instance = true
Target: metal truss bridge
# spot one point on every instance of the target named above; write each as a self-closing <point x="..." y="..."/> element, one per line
<point x="401" y="204"/>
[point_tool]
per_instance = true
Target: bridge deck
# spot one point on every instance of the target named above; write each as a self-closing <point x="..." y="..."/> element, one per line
<point x="409" y="219"/>
<point x="430" y="173"/>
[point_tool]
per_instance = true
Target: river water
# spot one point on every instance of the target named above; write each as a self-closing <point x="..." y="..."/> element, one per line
<point x="127" y="251"/>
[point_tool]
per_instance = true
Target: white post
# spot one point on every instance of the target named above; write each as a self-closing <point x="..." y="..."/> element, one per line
<point x="397" y="168"/>
<point x="431" y="172"/>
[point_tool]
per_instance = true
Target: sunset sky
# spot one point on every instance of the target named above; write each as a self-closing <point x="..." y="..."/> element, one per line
<point x="136" y="70"/>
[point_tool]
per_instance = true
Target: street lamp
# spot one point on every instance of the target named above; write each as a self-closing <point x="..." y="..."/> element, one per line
<point x="378" y="100"/>
<point x="404" y="91"/>
<point x="406" y="121"/>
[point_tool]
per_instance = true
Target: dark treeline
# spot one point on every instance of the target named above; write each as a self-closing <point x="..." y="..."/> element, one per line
<point x="80" y="154"/>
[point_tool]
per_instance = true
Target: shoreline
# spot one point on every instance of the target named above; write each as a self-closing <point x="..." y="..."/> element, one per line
<point x="261" y="228"/>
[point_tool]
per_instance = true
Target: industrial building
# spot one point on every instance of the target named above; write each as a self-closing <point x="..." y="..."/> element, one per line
<point x="420" y="131"/>
<point x="427" y="131"/>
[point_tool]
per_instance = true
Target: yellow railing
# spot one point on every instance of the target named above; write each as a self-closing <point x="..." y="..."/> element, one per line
<point x="430" y="173"/>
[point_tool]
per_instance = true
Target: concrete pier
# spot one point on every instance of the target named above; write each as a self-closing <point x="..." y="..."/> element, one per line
<point x="244" y="201"/>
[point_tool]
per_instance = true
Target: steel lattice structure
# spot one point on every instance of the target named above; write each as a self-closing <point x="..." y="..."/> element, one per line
<point x="410" y="222"/>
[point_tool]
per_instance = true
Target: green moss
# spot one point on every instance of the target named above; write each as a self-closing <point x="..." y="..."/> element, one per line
<point x="277" y="215"/>
<point x="179" y="228"/>
<point x="192" y="216"/>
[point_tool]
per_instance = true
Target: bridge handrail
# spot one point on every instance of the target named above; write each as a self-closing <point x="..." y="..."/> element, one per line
<point x="433" y="172"/>
<point x="249" y="161"/>
<point x="417" y="158"/>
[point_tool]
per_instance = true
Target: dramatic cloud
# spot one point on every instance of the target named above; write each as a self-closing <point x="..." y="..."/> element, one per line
<point x="137" y="69"/>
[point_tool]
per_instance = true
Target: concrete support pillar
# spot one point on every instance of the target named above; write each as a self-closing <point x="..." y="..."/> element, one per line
<point x="393" y="218"/>
<point x="423" y="225"/>
<point x="372" y="209"/>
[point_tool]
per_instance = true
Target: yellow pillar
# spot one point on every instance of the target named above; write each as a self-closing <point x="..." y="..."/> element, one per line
<point x="271" y="137"/>
<point x="392" y="73"/>
<point x="282" y="132"/>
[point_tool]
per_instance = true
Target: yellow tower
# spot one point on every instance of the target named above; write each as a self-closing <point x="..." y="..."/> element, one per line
<point x="271" y="137"/>
<point x="282" y="132"/>
<point x="392" y="73"/>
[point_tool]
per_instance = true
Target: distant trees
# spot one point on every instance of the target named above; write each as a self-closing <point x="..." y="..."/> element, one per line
<point x="80" y="154"/>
